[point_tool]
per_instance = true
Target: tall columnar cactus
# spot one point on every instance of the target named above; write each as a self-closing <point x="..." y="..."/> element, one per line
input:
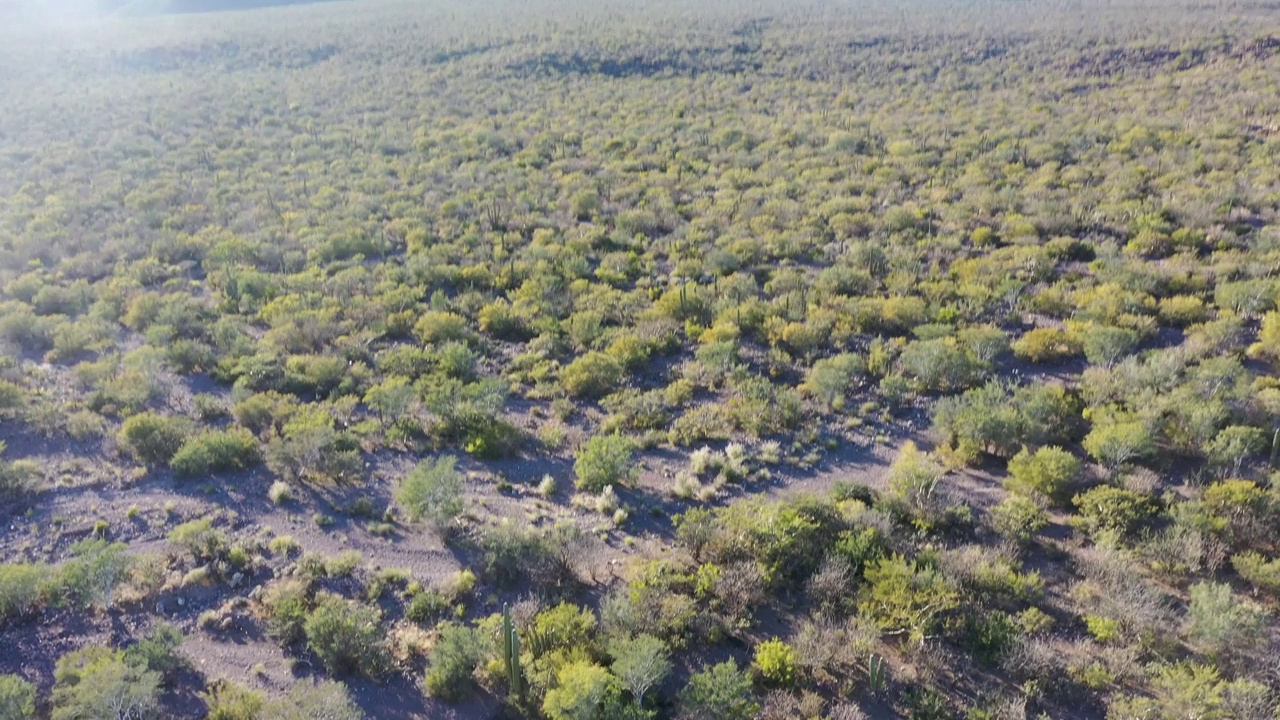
<point x="511" y="653"/>
<point x="877" y="671"/>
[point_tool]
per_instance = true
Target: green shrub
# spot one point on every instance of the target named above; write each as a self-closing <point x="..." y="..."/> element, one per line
<point x="433" y="492"/>
<point x="438" y="326"/>
<point x="96" y="568"/>
<point x="579" y="692"/>
<point x="152" y="438"/>
<point x="347" y="636"/>
<point x="227" y="701"/>
<point x="906" y="597"/>
<point x="593" y="375"/>
<point x="1046" y="345"/>
<point x="200" y="538"/>
<point x="97" y="682"/>
<point x="20" y="589"/>
<point x="154" y="651"/>
<point x="776" y="662"/>
<point x="603" y="460"/>
<point x="327" y="699"/>
<point x="17" y="698"/>
<point x="914" y="476"/>
<point x="640" y="663"/>
<point x="287" y="603"/>
<point x="830" y="379"/>
<point x="1109" y="508"/>
<point x="1256" y="570"/>
<point x="719" y="692"/>
<point x="939" y="365"/>
<point x="1218" y="623"/>
<point x="1019" y="519"/>
<point x="1046" y="473"/>
<point x="427" y="606"/>
<point x="216" y="451"/>
<point x="454" y="658"/>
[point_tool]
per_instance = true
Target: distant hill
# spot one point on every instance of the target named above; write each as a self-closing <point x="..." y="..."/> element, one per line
<point x="71" y="10"/>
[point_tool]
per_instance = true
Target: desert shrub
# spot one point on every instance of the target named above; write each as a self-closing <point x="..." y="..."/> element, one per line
<point x="603" y="460"/>
<point x="1118" y="438"/>
<point x="579" y="691"/>
<point x="454" y="658"/>
<point x="1184" y="689"/>
<point x="228" y="701"/>
<point x="1046" y="345"/>
<point x="1104" y="344"/>
<point x="310" y="448"/>
<point x="439" y="326"/>
<point x="592" y="375"/>
<point x="939" y="365"/>
<point x="200" y="538"/>
<point x="433" y="492"/>
<point x="21" y="589"/>
<point x="427" y="606"/>
<point x="98" y="682"/>
<point x="1001" y="420"/>
<point x="152" y="438"/>
<point x="155" y="650"/>
<point x="94" y="571"/>
<point x="264" y="411"/>
<point x="19" y="479"/>
<point x="1217" y="622"/>
<point x="787" y="539"/>
<point x="287" y="603"/>
<point x="216" y="451"/>
<point x="1048" y="473"/>
<point x="327" y="699"/>
<point x="1257" y="570"/>
<point x="906" y="598"/>
<point x="830" y="379"/>
<point x="1113" y="509"/>
<point x="1018" y="519"/>
<point x="1229" y="449"/>
<point x="17" y="698"/>
<point x="347" y="636"/>
<point x="914" y="476"/>
<point x="776" y="662"/>
<point x="512" y="553"/>
<point x="718" y="692"/>
<point x="641" y="663"/>
<point x="923" y="703"/>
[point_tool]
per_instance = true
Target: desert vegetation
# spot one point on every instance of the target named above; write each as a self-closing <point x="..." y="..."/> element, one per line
<point x="564" y="360"/>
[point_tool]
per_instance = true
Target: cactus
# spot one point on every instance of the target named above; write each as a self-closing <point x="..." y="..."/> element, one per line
<point x="877" y="670"/>
<point x="511" y="653"/>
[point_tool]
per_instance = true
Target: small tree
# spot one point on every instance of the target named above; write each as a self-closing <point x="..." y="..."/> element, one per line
<point x="829" y="379"/>
<point x="718" y="692"/>
<point x="433" y="491"/>
<point x="640" y="663"/>
<point x="602" y="461"/>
